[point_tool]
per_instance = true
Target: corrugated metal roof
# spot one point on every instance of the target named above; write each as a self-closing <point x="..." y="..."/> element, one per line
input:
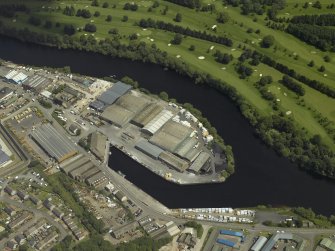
<point x="149" y="148"/>
<point x="3" y="157"/>
<point x="198" y="164"/>
<point x="158" y="121"/>
<point x="259" y="243"/>
<point x="112" y="94"/>
<point x="54" y="143"/>
<point x="280" y="236"/>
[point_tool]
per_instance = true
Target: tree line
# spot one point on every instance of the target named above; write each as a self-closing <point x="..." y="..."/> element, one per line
<point x="193" y="4"/>
<point x="318" y="36"/>
<point x="9" y="10"/>
<point x="278" y="130"/>
<point x="315" y="84"/>
<point x="293" y="85"/>
<point x="150" y="23"/>
<point x="321" y="20"/>
<point x="257" y="6"/>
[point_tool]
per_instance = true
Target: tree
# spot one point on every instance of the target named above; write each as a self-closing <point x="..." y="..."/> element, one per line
<point x="35" y="21"/>
<point x="97" y="14"/>
<point x="95" y="3"/>
<point x="267" y="41"/>
<point x="69" y="29"/>
<point x="178" y="17"/>
<point x="192" y="48"/>
<point x="177" y="39"/>
<point x="311" y="63"/>
<point x="322" y="68"/>
<point x="105" y="5"/>
<point x="326" y="58"/>
<point x="317" y="5"/>
<point x="48" y="24"/>
<point x="113" y="31"/>
<point x="124" y="19"/>
<point x="265" y="80"/>
<point x="164" y="96"/>
<point x="90" y="28"/>
<point x="222" y="17"/>
<point x="109" y="18"/>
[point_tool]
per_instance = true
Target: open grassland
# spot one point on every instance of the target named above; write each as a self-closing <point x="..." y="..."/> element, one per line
<point x="287" y="50"/>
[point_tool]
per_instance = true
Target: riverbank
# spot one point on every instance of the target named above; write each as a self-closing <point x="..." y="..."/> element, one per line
<point x="261" y="177"/>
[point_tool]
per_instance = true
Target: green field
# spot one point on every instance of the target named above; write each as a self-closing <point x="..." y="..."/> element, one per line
<point x="287" y="47"/>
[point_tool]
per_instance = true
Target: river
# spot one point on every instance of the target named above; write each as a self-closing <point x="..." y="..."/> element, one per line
<point x="261" y="176"/>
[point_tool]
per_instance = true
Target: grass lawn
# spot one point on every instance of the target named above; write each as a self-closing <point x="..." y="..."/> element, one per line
<point x="286" y="47"/>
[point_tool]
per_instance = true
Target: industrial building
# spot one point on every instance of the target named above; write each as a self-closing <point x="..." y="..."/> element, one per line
<point x="170" y="135"/>
<point x="328" y="244"/>
<point x="225" y="242"/>
<point x="16" y="77"/>
<point x="110" y="96"/>
<point x="117" y="115"/>
<point x="98" y="179"/>
<point x="188" y="149"/>
<point x="4" y="158"/>
<point x="199" y="162"/>
<point x="146" y="115"/>
<point x="125" y="108"/>
<point x="53" y="143"/>
<point x="98" y="145"/>
<point x="36" y="83"/>
<point x="157" y="122"/>
<point x="259" y="243"/>
<point x="301" y="243"/>
<point x="148" y="148"/>
<point x="130" y="227"/>
<point x="5" y="93"/>
<point x="173" y="161"/>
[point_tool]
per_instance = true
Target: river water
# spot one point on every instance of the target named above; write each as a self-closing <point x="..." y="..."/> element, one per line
<point x="261" y="176"/>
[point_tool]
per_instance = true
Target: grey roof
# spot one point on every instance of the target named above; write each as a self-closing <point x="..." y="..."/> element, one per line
<point x="97" y="105"/>
<point x="3" y="157"/>
<point x="259" y="243"/>
<point x="113" y="93"/>
<point x="4" y="92"/>
<point x="199" y="162"/>
<point x="281" y="236"/>
<point x="54" y="143"/>
<point x="149" y="148"/>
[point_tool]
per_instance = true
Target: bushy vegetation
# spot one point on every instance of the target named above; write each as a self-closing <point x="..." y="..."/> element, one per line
<point x="198" y="227"/>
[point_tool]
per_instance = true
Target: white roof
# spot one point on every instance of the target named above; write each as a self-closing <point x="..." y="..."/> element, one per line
<point x="11" y="74"/>
<point x="46" y="94"/>
<point x="158" y="121"/>
<point x="19" y="77"/>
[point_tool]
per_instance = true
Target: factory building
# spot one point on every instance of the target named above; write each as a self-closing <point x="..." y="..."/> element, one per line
<point x="130" y="227"/>
<point x="124" y="109"/>
<point x="157" y="122"/>
<point x="16" y="77"/>
<point x="53" y="143"/>
<point x="110" y="96"/>
<point x="301" y="243"/>
<point x="5" y="93"/>
<point x="4" y="158"/>
<point x="199" y="162"/>
<point x="36" y="83"/>
<point x="170" y="135"/>
<point x="98" y="145"/>
<point x="148" y="148"/>
<point x="98" y="179"/>
<point x="259" y="243"/>
<point x="187" y="149"/>
<point x="173" y="161"/>
<point x="146" y="115"/>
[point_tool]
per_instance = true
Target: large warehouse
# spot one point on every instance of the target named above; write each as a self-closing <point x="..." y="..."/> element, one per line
<point x="53" y="143"/>
<point x="173" y="161"/>
<point x="199" y="162"/>
<point x="110" y="96"/>
<point x="170" y="135"/>
<point x="157" y="122"/>
<point x="36" y="83"/>
<point x="124" y="109"/>
<point x="148" y="148"/>
<point x="147" y="114"/>
<point x="187" y="149"/>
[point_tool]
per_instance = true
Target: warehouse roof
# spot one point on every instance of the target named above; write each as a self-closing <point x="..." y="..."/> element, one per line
<point x="259" y="243"/>
<point x="199" y="162"/>
<point x="113" y="93"/>
<point x="328" y="243"/>
<point x="132" y="103"/>
<point x="149" y="148"/>
<point x="97" y="105"/>
<point x="54" y="143"/>
<point x="173" y="161"/>
<point x="17" y="77"/>
<point x="37" y="82"/>
<point x="158" y="121"/>
<point x="281" y="236"/>
<point x="3" y="157"/>
<point x="5" y="92"/>
<point x="147" y="114"/>
<point x="117" y="115"/>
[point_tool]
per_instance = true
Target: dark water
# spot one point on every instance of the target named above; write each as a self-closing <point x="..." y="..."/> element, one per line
<point x="261" y="176"/>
